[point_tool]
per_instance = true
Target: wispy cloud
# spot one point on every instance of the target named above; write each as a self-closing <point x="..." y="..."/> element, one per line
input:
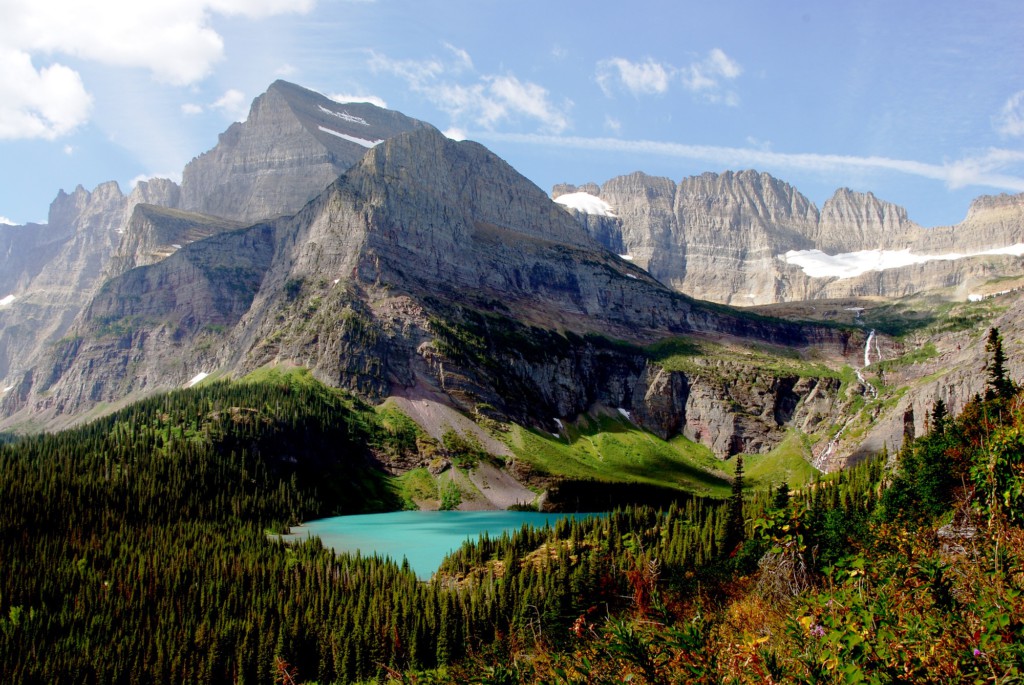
<point x="639" y="78"/>
<point x="233" y="103"/>
<point x="991" y="169"/>
<point x="6" y="222"/>
<point x="707" y="77"/>
<point x="172" y="39"/>
<point x="1010" y="120"/>
<point x="474" y="99"/>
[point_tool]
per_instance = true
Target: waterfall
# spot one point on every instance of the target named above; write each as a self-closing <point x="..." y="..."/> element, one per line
<point x="867" y="348"/>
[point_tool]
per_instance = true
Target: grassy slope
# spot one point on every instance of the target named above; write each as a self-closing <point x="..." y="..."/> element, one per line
<point x="612" y="449"/>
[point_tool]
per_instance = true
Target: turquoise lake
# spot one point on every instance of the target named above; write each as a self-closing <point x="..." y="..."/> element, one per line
<point x="424" y="538"/>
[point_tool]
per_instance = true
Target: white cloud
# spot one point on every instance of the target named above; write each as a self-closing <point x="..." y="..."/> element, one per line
<point x="285" y="70"/>
<point x="612" y="124"/>
<point x="69" y="150"/>
<point x="485" y="101"/>
<point x="142" y="178"/>
<point x="516" y="97"/>
<point x="6" y="222"/>
<point x="233" y="103"/>
<point x="644" y="78"/>
<point x="172" y="39"/>
<point x="191" y="109"/>
<point x="1010" y="121"/>
<point x="462" y="58"/>
<point x="455" y="134"/>
<point x="990" y="169"/>
<point x="39" y="103"/>
<point x="706" y="77"/>
<point x="342" y="98"/>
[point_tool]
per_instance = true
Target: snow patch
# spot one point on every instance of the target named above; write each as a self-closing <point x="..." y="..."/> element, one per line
<point x="817" y="264"/>
<point x="560" y="426"/>
<point x="352" y="139"/>
<point x="586" y="203"/>
<point x="344" y="116"/>
<point x="627" y="257"/>
<point x="976" y="297"/>
<point x="336" y="281"/>
<point x="632" y="276"/>
<point x="625" y="413"/>
<point x="8" y="388"/>
<point x="7" y="300"/>
<point x="196" y="378"/>
<point x="176" y="246"/>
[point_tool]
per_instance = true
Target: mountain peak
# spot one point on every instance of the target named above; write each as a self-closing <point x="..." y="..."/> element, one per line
<point x="293" y="144"/>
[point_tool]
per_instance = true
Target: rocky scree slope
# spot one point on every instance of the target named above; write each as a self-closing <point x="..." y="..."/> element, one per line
<point x="432" y="267"/>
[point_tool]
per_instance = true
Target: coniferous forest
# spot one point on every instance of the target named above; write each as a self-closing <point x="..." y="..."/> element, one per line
<point x="142" y="548"/>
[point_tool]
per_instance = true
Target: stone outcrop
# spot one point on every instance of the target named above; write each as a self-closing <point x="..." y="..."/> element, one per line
<point x="153" y="233"/>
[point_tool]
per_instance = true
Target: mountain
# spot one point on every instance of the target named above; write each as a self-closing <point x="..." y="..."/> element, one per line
<point x="747" y="238"/>
<point x="433" y="274"/>
<point x="433" y="270"/>
<point x="292" y="145"/>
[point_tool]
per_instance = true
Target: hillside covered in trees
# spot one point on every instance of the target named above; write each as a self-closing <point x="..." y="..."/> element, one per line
<point x="141" y="548"/>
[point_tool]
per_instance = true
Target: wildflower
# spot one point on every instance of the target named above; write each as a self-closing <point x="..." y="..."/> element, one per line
<point x="978" y="652"/>
<point x="818" y="630"/>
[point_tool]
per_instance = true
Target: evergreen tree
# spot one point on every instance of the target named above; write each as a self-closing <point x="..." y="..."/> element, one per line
<point x="780" y="500"/>
<point x="999" y="385"/>
<point x="735" y="532"/>
<point x="939" y="417"/>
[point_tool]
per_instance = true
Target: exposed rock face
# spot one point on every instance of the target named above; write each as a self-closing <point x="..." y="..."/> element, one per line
<point x="856" y="221"/>
<point x="720" y="236"/>
<point x="153" y="233"/>
<point x="293" y="144"/>
<point x="431" y="263"/>
<point x="61" y="274"/>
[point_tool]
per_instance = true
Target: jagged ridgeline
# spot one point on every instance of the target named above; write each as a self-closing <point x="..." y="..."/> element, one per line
<point x="136" y="549"/>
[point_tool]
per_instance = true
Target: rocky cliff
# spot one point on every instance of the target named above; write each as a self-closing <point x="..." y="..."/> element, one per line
<point x="725" y="238"/>
<point x="430" y="265"/>
<point x="294" y="143"/>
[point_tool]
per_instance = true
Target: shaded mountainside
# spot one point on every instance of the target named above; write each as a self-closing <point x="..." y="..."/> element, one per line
<point x="721" y="237"/>
<point x="432" y="267"/>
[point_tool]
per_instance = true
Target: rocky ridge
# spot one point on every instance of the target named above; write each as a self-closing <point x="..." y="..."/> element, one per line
<point x="431" y="264"/>
<point x="720" y="237"/>
<point x="292" y="145"/>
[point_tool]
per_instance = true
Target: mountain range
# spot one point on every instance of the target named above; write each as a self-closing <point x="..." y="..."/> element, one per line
<point x="746" y="238"/>
<point x="397" y="263"/>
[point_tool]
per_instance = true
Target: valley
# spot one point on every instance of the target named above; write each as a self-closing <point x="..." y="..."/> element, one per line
<point x="340" y="310"/>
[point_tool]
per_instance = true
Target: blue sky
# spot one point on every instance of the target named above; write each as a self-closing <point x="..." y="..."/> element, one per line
<point x="920" y="103"/>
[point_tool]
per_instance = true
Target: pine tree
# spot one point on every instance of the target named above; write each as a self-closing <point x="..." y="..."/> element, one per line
<point x="780" y="499"/>
<point x="939" y="417"/>
<point x="734" y="528"/>
<point x="999" y="385"/>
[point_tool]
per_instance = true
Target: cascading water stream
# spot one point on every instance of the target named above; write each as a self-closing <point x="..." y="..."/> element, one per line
<point x="822" y="459"/>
